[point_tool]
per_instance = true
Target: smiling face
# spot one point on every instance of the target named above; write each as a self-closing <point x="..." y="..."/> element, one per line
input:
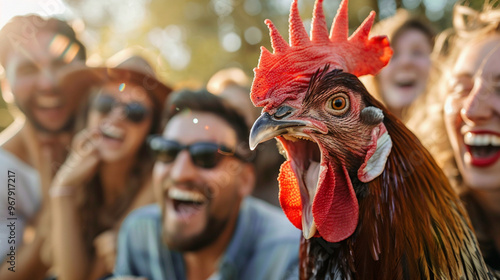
<point x="111" y="113"/>
<point x="198" y="204"/>
<point x="405" y="77"/>
<point x="472" y="113"/>
<point x="31" y="71"/>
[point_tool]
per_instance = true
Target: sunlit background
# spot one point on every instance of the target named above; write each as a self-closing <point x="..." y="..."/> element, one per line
<point x="191" y="40"/>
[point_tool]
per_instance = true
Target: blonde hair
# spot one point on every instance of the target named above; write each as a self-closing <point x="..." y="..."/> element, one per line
<point x="469" y="26"/>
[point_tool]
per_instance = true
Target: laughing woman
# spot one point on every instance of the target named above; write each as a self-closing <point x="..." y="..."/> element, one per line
<point x="461" y="125"/>
<point x="404" y="80"/>
<point x="107" y="173"/>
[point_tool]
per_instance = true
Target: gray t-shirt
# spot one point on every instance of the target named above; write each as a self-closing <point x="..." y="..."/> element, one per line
<point x="264" y="246"/>
<point x="19" y="190"/>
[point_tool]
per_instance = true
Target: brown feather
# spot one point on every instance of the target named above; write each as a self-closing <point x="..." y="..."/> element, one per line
<point x="412" y="224"/>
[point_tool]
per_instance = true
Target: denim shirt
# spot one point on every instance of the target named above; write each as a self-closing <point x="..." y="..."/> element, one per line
<point x="264" y="245"/>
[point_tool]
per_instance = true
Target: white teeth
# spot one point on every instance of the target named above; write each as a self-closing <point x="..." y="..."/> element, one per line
<point x="113" y="132"/>
<point x="486" y="140"/>
<point x="48" y="102"/>
<point x="185" y="195"/>
<point x="483" y="139"/>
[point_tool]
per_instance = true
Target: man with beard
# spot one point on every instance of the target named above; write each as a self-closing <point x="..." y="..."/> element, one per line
<point x="205" y="225"/>
<point x="33" y="51"/>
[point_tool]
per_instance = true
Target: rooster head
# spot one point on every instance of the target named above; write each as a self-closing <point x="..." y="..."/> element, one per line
<point x="316" y="107"/>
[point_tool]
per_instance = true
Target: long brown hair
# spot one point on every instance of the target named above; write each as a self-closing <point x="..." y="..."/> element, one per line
<point x="468" y="26"/>
<point x="93" y="217"/>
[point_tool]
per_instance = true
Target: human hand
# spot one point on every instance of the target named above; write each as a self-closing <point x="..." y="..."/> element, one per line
<point x="38" y="230"/>
<point x="42" y="226"/>
<point x="105" y="248"/>
<point x="82" y="161"/>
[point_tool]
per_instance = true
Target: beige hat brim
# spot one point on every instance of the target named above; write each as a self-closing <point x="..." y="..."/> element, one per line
<point x="81" y="79"/>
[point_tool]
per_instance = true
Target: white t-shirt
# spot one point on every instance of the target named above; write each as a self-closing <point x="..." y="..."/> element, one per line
<point x="24" y="196"/>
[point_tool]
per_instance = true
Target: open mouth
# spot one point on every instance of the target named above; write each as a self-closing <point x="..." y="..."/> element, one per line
<point x="304" y="155"/>
<point x="316" y="191"/>
<point x="406" y="84"/>
<point x="186" y="202"/>
<point x="48" y="102"/>
<point x="483" y="148"/>
<point x="49" y="107"/>
<point x="112" y="132"/>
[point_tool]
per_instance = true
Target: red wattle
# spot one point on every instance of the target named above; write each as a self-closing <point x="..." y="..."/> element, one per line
<point x="335" y="207"/>
<point x="289" y="194"/>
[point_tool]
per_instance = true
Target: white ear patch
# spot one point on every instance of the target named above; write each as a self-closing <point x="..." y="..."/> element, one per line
<point x="376" y="156"/>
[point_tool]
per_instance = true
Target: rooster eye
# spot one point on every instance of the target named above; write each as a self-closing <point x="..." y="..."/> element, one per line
<point x="338" y="104"/>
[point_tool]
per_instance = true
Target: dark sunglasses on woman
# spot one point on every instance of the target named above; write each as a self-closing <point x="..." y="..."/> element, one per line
<point x="203" y="154"/>
<point x="134" y="111"/>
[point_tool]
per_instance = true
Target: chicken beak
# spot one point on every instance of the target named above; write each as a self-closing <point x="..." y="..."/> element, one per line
<point x="267" y="127"/>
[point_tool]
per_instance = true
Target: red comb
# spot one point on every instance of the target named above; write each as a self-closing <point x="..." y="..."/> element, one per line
<point x="285" y="73"/>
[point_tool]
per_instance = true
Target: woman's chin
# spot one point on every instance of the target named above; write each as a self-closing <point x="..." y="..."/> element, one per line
<point x="401" y="97"/>
<point x="111" y="156"/>
<point x="482" y="178"/>
<point x="490" y="182"/>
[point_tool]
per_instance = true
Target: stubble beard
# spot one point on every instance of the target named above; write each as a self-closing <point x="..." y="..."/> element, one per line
<point x="66" y="127"/>
<point x="213" y="229"/>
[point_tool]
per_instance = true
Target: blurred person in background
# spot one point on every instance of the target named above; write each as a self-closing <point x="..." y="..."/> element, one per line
<point x="204" y="224"/>
<point x="107" y="173"/>
<point x="33" y="52"/>
<point x="234" y="85"/>
<point x="405" y="78"/>
<point x="462" y="119"/>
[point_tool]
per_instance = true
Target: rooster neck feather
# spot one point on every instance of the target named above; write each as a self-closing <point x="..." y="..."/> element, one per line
<point x="411" y="225"/>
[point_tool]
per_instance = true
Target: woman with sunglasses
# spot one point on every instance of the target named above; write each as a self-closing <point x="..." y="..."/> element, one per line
<point x="107" y="173"/>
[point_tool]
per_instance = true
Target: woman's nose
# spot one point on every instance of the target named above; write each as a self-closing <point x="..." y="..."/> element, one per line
<point x="476" y="107"/>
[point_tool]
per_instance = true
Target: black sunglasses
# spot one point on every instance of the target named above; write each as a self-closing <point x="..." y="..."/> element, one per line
<point x="203" y="154"/>
<point x="134" y="111"/>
